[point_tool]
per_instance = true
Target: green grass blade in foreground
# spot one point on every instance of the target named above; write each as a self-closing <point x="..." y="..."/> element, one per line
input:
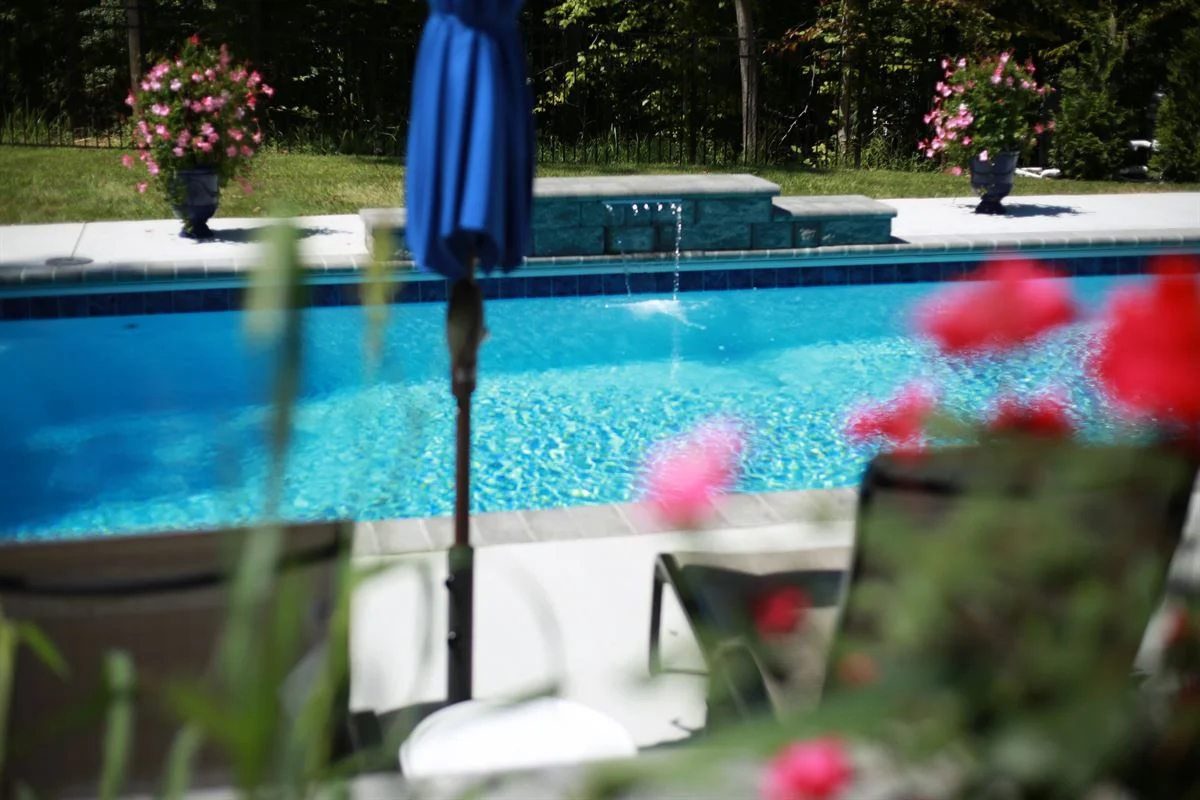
<point x="37" y="641"/>
<point x="12" y="636"/>
<point x="377" y="292"/>
<point x="276" y="303"/>
<point x="279" y="649"/>
<point x="312" y="732"/>
<point x="8" y="659"/>
<point x="275" y="317"/>
<point x="275" y="308"/>
<point x="180" y="759"/>
<point x="120" y="678"/>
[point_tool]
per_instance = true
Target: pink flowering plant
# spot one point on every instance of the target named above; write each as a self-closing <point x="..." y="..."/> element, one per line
<point x="194" y="111"/>
<point x="684" y="476"/>
<point x="984" y="108"/>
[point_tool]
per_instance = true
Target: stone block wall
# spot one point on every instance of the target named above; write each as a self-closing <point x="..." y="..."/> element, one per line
<point x="618" y="216"/>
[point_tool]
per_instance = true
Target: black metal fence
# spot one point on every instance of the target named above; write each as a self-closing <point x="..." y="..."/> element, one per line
<point x="64" y="74"/>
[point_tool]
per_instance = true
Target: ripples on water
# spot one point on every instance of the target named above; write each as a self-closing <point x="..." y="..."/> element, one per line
<point x="105" y="428"/>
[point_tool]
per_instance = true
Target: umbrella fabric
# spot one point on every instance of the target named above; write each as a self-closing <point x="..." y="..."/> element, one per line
<point x="470" y="140"/>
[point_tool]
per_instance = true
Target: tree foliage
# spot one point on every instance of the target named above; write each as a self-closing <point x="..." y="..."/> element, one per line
<point x="1094" y="129"/>
<point x="833" y="76"/>
<point x="1179" y="139"/>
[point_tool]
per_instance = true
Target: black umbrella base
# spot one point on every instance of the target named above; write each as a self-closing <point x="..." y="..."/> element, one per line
<point x="196" y="230"/>
<point x="990" y="207"/>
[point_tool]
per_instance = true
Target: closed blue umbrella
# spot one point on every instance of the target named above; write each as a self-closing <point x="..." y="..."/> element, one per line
<point x="470" y="140"/>
<point x="469" y="195"/>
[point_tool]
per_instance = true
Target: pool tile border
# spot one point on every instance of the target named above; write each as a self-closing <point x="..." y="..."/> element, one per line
<point x="110" y="298"/>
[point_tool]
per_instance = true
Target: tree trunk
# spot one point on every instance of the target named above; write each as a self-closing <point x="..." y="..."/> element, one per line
<point x="256" y="33"/>
<point x="689" y="102"/>
<point x="74" y="59"/>
<point x="850" y="34"/>
<point x="748" y="62"/>
<point x="133" y="27"/>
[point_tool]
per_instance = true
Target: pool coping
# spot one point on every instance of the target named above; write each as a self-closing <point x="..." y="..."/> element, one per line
<point x="397" y="537"/>
<point x="31" y="277"/>
<point x="735" y="511"/>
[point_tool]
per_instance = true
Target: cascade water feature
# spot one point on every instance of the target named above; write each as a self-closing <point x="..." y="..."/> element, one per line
<point x="617" y="226"/>
<point x="669" y="308"/>
<point x="646" y="206"/>
<point x="677" y="212"/>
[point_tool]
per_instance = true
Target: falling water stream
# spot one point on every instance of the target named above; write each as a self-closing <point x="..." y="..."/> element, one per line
<point x="669" y="308"/>
<point x="619" y="238"/>
<point x="674" y="207"/>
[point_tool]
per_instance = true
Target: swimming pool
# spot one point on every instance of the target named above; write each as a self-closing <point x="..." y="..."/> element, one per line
<point x="123" y="424"/>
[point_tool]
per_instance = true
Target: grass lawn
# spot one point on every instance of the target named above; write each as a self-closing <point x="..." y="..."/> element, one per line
<point x="51" y="184"/>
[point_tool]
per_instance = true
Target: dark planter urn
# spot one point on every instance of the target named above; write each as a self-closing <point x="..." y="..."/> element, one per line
<point x="195" y="195"/>
<point x="992" y="180"/>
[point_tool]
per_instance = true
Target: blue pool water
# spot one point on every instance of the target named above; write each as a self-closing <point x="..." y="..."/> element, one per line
<point x="158" y="422"/>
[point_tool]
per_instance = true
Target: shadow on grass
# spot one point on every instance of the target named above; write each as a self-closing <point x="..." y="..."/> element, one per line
<point x="642" y="167"/>
<point x="381" y="160"/>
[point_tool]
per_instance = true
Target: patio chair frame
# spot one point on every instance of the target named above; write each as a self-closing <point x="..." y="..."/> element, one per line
<point x="737" y="663"/>
<point x="749" y="696"/>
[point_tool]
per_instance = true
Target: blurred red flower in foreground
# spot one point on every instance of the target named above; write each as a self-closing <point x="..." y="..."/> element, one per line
<point x="683" y="476"/>
<point x="899" y="422"/>
<point x="1003" y="305"/>
<point x="780" y="612"/>
<point x="857" y="669"/>
<point x="1045" y="414"/>
<point x="1148" y="358"/>
<point x="811" y="770"/>
<point x="1178" y="626"/>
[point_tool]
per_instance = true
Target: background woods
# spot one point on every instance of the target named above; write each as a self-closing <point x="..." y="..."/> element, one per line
<point x="815" y="83"/>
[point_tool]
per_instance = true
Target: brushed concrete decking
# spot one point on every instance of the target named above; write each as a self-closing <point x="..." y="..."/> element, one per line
<point x="571" y="612"/>
<point x="136" y="252"/>
<point x="1047" y="215"/>
<point x="568" y="601"/>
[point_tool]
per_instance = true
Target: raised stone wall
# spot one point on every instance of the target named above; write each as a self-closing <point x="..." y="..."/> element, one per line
<point x="634" y="214"/>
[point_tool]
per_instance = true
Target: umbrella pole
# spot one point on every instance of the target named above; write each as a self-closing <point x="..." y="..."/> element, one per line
<point x="464" y="332"/>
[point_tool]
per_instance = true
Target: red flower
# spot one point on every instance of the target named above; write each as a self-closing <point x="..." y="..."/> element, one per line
<point x="1189" y="691"/>
<point x="1148" y="358"/>
<point x="1041" y="415"/>
<point x="780" y="612"/>
<point x="812" y="770"/>
<point x="194" y="39"/>
<point x="1179" y="625"/>
<point x="899" y="422"/>
<point x="1007" y="304"/>
<point x="857" y="669"/>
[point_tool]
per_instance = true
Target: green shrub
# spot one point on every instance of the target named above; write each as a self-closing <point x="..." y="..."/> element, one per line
<point x="1093" y="130"/>
<point x="1178" y="133"/>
